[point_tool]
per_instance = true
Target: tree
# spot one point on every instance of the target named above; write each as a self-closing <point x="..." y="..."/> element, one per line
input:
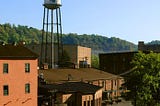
<point x="95" y="61"/>
<point x="65" y="60"/>
<point x="144" y="81"/>
<point x="99" y="44"/>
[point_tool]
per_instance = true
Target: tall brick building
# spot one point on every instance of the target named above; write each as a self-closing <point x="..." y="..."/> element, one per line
<point x="18" y="76"/>
<point x="116" y="63"/>
<point x="119" y="62"/>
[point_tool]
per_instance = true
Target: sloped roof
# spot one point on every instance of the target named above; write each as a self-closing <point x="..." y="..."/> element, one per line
<point x="85" y="74"/>
<point x="70" y="87"/>
<point x="16" y="52"/>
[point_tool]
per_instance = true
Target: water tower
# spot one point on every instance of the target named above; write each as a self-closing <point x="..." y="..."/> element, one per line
<point x="51" y="34"/>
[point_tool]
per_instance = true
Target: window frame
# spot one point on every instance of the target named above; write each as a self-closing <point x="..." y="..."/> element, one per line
<point x="27" y="67"/>
<point x="5" y="68"/>
<point x="27" y="88"/>
<point x="53" y="1"/>
<point x="5" y="90"/>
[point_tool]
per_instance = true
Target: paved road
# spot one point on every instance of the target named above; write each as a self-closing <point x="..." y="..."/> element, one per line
<point x="122" y="103"/>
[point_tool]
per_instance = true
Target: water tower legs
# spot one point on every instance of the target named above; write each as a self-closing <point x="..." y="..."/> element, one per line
<point x="51" y="42"/>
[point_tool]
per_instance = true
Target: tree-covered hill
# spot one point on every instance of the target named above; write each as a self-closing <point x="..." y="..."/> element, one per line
<point x="155" y="42"/>
<point x="11" y="33"/>
<point x="99" y="43"/>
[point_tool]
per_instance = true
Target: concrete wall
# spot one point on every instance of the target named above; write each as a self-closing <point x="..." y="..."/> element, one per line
<point x="16" y="80"/>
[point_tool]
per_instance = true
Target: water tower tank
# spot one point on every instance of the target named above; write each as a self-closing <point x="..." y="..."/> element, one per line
<point x="52" y="4"/>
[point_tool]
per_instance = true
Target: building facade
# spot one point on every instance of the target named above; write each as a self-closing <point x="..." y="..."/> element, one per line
<point x="18" y="76"/>
<point x="116" y="63"/>
<point x="79" y="56"/>
<point x="75" y="94"/>
<point x="119" y="62"/>
<point x="109" y="83"/>
<point x="148" y="47"/>
<point x="111" y="87"/>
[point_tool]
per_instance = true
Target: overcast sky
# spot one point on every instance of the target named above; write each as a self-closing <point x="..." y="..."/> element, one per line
<point x="131" y="20"/>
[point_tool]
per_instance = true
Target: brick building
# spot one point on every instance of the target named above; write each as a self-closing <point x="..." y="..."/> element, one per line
<point x="116" y="63"/>
<point x="109" y="83"/>
<point x="119" y="62"/>
<point x="74" y="94"/>
<point x="79" y="56"/>
<point x="18" y="76"/>
<point x="148" y="47"/>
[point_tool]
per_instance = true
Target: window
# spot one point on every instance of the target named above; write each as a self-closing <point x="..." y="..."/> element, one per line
<point x="115" y="82"/>
<point x="5" y="90"/>
<point x="84" y="103"/>
<point x="27" y="67"/>
<point x="88" y="104"/>
<point x="27" y="88"/>
<point x="5" y="68"/>
<point x="53" y="1"/>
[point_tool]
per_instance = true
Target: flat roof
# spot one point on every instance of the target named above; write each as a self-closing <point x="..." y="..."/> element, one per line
<point x="82" y="74"/>
<point x="71" y="87"/>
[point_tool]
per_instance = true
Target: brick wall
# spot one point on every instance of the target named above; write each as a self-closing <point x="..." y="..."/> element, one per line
<point x="16" y="80"/>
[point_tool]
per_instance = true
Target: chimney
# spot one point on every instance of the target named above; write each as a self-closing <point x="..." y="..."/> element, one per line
<point x="141" y="45"/>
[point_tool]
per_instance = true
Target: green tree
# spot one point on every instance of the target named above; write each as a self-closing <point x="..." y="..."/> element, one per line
<point x="65" y="57"/>
<point x="65" y="60"/>
<point x="144" y="81"/>
<point x="12" y="33"/>
<point x="95" y="61"/>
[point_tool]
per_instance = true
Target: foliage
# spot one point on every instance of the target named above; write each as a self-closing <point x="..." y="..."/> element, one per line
<point x="65" y="60"/>
<point x="95" y="61"/>
<point x="65" y="57"/>
<point x="99" y="43"/>
<point x="144" y="81"/>
<point x="11" y="33"/>
<point x="155" y="42"/>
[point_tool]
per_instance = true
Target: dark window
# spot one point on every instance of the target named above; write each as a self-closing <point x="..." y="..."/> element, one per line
<point x="27" y="67"/>
<point x="88" y="103"/>
<point x="5" y="68"/>
<point x="115" y="82"/>
<point x="53" y="1"/>
<point x="92" y="103"/>
<point x="27" y="88"/>
<point x="5" y="90"/>
<point x="84" y="103"/>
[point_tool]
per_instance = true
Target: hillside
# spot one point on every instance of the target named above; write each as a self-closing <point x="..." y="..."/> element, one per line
<point x="99" y="43"/>
<point x="155" y="42"/>
<point x="11" y="33"/>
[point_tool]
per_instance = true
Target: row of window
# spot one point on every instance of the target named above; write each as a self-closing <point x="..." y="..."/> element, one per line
<point x="6" y="89"/>
<point x="6" y="67"/>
